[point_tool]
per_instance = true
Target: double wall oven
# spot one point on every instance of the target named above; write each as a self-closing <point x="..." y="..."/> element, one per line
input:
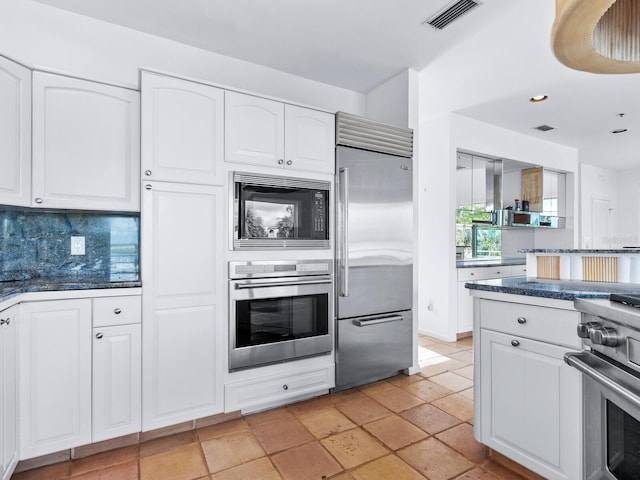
<point x="610" y="364"/>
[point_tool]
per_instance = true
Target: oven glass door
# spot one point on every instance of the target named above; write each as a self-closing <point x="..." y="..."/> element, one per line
<point x="623" y="442"/>
<point x="279" y="319"/>
<point x="269" y="320"/>
<point x="611" y="397"/>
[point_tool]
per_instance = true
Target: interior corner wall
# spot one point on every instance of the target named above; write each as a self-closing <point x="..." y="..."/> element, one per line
<point x="436" y="196"/>
<point x="389" y="102"/>
<point x="38" y="35"/>
<point x="628" y="211"/>
<point x="598" y="183"/>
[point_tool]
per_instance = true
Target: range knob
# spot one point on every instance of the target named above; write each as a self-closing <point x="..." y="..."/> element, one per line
<point x="605" y="336"/>
<point x="585" y="328"/>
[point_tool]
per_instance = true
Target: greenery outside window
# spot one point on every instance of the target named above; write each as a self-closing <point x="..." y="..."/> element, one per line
<point x="475" y="233"/>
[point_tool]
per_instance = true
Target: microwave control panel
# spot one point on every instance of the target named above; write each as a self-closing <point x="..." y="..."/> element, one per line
<point x="319" y="214"/>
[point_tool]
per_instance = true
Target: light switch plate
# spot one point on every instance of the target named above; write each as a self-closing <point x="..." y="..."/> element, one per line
<point x="77" y="246"/>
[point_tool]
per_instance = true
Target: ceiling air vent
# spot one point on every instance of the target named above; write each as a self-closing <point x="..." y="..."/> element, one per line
<point x="544" y="128"/>
<point x="450" y="13"/>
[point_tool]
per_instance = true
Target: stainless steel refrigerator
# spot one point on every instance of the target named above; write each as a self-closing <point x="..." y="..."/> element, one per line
<point x="374" y="251"/>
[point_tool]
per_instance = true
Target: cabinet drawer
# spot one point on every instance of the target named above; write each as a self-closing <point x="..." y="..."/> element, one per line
<point x="108" y="311"/>
<point x="483" y="273"/>
<point x="255" y="395"/>
<point x="518" y="270"/>
<point x="547" y="324"/>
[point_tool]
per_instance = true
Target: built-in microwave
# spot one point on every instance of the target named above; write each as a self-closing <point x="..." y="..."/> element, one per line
<point x="279" y="212"/>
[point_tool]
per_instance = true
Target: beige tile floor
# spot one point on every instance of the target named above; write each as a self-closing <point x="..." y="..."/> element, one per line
<point x="403" y="428"/>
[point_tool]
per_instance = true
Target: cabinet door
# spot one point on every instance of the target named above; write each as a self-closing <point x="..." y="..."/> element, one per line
<point x="309" y="140"/>
<point x="531" y="404"/>
<point x="54" y="376"/>
<point x="182" y="303"/>
<point x="86" y="144"/>
<point x="182" y="130"/>
<point x="254" y="130"/>
<point x="117" y="381"/>
<point x="15" y="133"/>
<point x="8" y="392"/>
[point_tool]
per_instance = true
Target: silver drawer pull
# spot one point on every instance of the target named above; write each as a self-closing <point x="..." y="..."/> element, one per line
<point x="147" y="173"/>
<point x="99" y="336"/>
<point x="38" y="200"/>
<point x="522" y="320"/>
<point x="515" y="343"/>
<point x="285" y="387"/>
<point x="377" y="321"/>
<point x="117" y="311"/>
<point x="289" y="162"/>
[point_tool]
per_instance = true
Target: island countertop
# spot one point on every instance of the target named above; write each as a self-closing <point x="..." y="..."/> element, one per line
<point x="490" y="262"/>
<point x="556" y="289"/>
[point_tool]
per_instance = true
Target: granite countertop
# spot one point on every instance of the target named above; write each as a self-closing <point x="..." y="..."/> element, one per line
<point x="557" y="289"/>
<point x="12" y="288"/>
<point x="490" y="262"/>
<point x="630" y="251"/>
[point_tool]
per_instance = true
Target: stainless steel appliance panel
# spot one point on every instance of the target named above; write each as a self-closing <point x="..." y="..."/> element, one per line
<point x="375" y="233"/>
<point x="371" y="348"/>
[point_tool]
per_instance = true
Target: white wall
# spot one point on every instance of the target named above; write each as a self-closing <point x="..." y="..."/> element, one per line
<point x="628" y="211"/>
<point x="439" y="139"/>
<point x="600" y="184"/>
<point x="38" y="35"/>
<point x="396" y="102"/>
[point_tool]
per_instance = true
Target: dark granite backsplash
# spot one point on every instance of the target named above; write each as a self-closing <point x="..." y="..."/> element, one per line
<point x="36" y="244"/>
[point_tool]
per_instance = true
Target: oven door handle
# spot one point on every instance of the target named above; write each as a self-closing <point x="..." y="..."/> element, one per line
<point x="595" y="368"/>
<point x="290" y="283"/>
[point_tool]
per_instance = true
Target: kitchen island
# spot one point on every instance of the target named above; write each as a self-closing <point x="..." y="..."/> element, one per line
<point x="527" y="401"/>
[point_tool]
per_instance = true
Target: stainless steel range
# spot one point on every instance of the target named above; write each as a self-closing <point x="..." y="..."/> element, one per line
<point x="610" y="364"/>
<point x="279" y="311"/>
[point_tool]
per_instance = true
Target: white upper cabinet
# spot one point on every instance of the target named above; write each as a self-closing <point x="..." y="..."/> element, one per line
<point x="86" y="144"/>
<point x="309" y="139"/>
<point x="15" y="133"/>
<point x="254" y="130"/>
<point x="182" y="130"/>
<point x="264" y="132"/>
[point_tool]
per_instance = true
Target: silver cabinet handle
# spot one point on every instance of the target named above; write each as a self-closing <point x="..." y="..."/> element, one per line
<point x="4" y="321"/>
<point x="147" y="187"/>
<point x="147" y="173"/>
<point x="515" y="343"/>
<point x="522" y="320"/>
<point x="377" y="320"/>
<point x="280" y="162"/>
<point x="499" y="272"/>
<point x="289" y="162"/>
<point x="38" y="200"/>
<point x="99" y="336"/>
<point x="471" y="273"/>
<point x="343" y="205"/>
<point x="285" y="387"/>
<point x="117" y="311"/>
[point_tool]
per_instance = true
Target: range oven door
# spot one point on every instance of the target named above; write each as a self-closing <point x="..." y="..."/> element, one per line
<point x="279" y="319"/>
<point x="611" y="418"/>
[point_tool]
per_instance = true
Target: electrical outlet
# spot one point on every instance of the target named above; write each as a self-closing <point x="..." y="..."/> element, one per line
<point x="77" y="246"/>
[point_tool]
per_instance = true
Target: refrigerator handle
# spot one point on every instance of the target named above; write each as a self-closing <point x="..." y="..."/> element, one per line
<point x="343" y="204"/>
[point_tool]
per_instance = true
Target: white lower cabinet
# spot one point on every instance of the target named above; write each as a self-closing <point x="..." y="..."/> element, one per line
<point x="55" y="376"/>
<point x="528" y="401"/>
<point x="8" y="392"/>
<point x="465" y="302"/>
<point x="183" y="302"/>
<point x="116" y="381"/>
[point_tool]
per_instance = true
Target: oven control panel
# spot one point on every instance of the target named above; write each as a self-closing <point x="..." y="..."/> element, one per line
<point x="279" y="268"/>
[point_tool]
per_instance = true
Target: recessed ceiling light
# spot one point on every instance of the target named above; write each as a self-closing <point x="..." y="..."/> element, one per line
<point x="619" y="130"/>
<point x="538" y="98"/>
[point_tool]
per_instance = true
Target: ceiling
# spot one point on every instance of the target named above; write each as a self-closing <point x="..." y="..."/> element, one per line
<point x="485" y="65"/>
